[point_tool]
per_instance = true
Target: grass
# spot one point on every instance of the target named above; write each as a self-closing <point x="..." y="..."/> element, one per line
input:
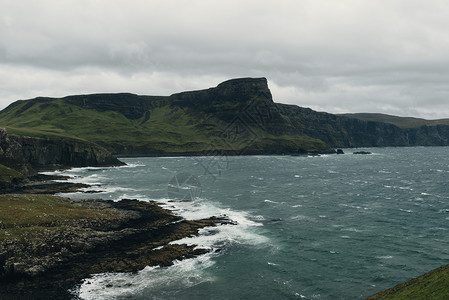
<point x="432" y="285"/>
<point x="160" y="129"/>
<point x="25" y="214"/>
<point x="402" y="122"/>
<point x="8" y="175"/>
<point x="62" y="119"/>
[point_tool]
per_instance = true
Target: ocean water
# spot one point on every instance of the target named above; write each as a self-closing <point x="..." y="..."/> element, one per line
<point x="328" y="227"/>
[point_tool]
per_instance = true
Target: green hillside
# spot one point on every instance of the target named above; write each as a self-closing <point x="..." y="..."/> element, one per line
<point x="56" y="117"/>
<point x="432" y="285"/>
<point x="9" y="176"/>
<point x="402" y="122"/>
<point x="190" y="122"/>
<point x="236" y="117"/>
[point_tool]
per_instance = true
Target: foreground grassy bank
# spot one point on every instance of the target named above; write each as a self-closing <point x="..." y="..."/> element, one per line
<point x="31" y="216"/>
<point x="431" y="285"/>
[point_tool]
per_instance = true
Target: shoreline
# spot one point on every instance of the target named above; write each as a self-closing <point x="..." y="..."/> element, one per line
<point x="122" y="236"/>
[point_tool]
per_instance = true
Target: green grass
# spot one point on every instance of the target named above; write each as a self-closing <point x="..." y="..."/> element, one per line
<point x="432" y="285"/>
<point x="162" y="128"/>
<point x="27" y="214"/>
<point x="61" y="119"/>
<point x="402" y="122"/>
<point x="8" y="175"/>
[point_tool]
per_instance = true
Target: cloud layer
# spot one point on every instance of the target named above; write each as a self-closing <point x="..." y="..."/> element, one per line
<point x="335" y="56"/>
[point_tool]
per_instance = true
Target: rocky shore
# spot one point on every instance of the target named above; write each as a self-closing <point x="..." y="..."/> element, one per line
<point x="57" y="242"/>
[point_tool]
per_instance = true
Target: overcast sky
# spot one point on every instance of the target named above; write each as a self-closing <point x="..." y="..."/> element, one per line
<point x="388" y="56"/>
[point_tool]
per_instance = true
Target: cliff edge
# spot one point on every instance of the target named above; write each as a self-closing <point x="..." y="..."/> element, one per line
<point x="52" y="152"/>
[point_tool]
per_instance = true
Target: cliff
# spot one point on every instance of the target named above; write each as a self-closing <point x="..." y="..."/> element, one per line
<point x="52" y="152"/>
<point x="346" y="131"/>
<point x="236" y="117"/>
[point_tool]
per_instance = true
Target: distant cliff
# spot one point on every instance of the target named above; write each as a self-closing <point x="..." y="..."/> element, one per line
<point x="343" y="131"/>
<point x="236" y="117"/>
<point x="52" y="152"/>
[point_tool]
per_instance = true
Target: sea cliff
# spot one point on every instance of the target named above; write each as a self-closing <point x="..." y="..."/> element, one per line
<point x="53" y="152"/>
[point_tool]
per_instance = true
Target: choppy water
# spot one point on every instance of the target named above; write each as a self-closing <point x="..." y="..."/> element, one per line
<point x="329" y="227"/>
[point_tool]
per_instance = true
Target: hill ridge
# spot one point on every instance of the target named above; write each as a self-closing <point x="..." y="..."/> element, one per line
<point x="238" y="116"/>
<point x="403" y="122"/>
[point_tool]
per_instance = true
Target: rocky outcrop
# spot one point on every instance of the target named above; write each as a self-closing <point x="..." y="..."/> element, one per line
<point x="53" y="152"/>
<point x="135" y="234"/>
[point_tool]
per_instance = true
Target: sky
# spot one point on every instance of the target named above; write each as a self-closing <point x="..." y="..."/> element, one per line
<point x="338" y="56"/>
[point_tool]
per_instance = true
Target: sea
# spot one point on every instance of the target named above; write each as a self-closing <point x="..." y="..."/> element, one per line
<point x="319" y="227"/>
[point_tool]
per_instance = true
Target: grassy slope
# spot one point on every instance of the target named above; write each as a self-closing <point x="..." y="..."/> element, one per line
<point x="29" y="215"/>
<point x="164" y="128"/>
<point x="402" y="122"/>
<point x="67" y="120"/>
<point x="432" y="285"/>
<point x="8" y="175"/>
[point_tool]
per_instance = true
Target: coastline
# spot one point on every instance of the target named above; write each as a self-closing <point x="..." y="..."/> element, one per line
<point x="122" y="236"/>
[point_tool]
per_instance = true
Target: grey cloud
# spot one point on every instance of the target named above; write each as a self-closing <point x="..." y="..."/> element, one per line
<point x="336" y="56"/>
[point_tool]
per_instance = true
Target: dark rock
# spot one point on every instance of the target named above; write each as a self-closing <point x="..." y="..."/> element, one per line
<point x="48" y="266"/>
<point x="340" y="151"/>
<point x="53" y="152"/>
<point x="361" y="152"/>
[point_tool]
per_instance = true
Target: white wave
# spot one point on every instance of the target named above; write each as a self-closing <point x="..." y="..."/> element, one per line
<point x="58" y="173"/>
<point x="353" y="206"/>
<point x="258" y="218"/>
<point x="270" y="201"/>
<point x="385" y="257"/>
<point x="224" y="235"/>
<point x="93" y="179"/>
<point x="104" y="189"/>
<point x="183" y="274"/>
<point x="352" y="229"/>
<point x="303" y="218"/>
<point x="131" y="165"/>
<point x="242" y="232"/>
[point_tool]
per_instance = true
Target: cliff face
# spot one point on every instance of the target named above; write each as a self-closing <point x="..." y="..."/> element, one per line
<point x="436" y="135"/>
<point x="53" y="152"/>
<point x="341" y="131"/>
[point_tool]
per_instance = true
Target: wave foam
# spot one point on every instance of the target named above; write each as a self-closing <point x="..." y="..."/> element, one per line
<point x="181" y="274"/>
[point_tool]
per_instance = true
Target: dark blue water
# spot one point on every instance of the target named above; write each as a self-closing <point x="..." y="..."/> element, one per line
<point x="329" y="227"/>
